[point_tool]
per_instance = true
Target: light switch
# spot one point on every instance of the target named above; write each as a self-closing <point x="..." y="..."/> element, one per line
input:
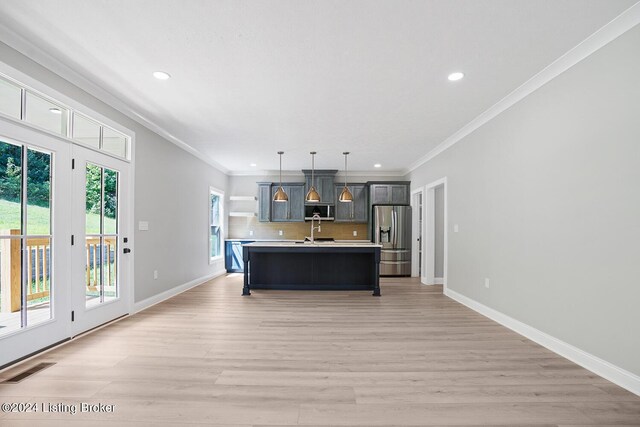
<point x="280" y="233"/>
<point x="355" y="233"/>
<point x="455" y="228"/>
<point x="143" y="225"/>
<point x="250" y="232"/>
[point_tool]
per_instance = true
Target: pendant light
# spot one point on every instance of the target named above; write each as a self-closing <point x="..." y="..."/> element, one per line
<point x="346" y="195"/>
<point x="281" y="195"/>
<point x="312" y="195"/>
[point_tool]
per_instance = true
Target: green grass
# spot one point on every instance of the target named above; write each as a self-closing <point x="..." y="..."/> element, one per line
<point x="38" y="219"/>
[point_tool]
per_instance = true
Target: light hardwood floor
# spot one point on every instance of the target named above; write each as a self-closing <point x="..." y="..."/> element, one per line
<point x="411" y="357"/>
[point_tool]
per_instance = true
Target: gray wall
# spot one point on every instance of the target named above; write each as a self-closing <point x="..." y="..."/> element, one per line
<point x="547" y="199"/>
<point x="171" y="190"/>
<point x="439" y="231"/>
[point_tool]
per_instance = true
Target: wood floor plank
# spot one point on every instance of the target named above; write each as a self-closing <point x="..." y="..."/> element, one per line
<point x="412" y="357"/>
<point x="441" y="414"/>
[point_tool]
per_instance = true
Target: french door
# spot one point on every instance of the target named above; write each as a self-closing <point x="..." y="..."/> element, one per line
<point x="101" y="264"/>
<point x="35" y="254"/>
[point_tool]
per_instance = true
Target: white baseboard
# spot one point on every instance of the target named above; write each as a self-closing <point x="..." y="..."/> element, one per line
<point x="616" y="375"/>
<point x="146" y="303"/>
<point x="438" y="281"/>
<point x="433" y="281"/>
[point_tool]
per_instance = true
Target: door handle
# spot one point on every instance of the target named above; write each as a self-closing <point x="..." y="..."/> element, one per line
<point x="126" y="250"/>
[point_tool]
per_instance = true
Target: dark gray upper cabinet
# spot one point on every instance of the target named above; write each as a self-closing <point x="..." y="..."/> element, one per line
<point x="389" y="193"/>
<point x="292" y="210"/>
<point x="356" y="211"/>
<point x="323" y="183"/>
<point x="264" y="201"/>
<point x="399" y="194"/>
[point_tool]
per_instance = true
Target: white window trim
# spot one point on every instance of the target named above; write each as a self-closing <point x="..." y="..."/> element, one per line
<point x="220" y="194"/>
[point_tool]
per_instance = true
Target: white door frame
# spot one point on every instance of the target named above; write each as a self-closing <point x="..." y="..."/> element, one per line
<point x="416" y="233"/>
<point x="428" y="248"/>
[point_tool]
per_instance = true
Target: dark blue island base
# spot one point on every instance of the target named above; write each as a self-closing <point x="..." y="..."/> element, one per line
<point x="311" y="267"/>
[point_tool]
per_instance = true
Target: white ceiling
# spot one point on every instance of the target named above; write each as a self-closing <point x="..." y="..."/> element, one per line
<point x="254" y="77"/>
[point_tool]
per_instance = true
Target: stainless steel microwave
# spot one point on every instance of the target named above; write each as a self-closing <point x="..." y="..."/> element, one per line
<point x="325" y="212"/>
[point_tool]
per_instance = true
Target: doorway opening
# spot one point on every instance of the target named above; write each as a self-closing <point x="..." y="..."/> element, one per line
<point x="417" y="197"/>
<point x="435" y="242"/>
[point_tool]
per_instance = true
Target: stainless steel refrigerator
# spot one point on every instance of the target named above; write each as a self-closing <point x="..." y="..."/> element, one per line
<point x="392" y="229"/>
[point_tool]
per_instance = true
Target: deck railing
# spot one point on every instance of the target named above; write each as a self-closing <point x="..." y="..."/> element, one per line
<point x="39" y="268"/>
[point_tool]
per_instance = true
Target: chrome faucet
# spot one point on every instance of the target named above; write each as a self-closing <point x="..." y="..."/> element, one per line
<point x="315" y="216"/>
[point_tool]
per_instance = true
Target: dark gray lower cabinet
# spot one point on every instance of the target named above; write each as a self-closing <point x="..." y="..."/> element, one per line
<point x="290" y="211"/>
<point x="356" y="211"/>
<point x="233" y="255"/>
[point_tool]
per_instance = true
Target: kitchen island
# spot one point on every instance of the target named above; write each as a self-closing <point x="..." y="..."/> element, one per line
<point x="311" y="266"/>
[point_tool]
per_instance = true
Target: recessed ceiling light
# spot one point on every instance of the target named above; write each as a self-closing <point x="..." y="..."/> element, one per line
<point x="377" y="165"/>
<point x="455" y="76"/>
<point x="161" y="75"/>
<point x="253" y="165"/>
<point x="55" y="110"/>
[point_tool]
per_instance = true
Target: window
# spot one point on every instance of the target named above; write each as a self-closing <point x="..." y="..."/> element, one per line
<point x="22" y="103"/>
<point x="114" y="142"/>
<point x="10" y="99"/>
<point x="86" y="131"/>
<point x="216" y="236"/>
<point x="45" y="114"/>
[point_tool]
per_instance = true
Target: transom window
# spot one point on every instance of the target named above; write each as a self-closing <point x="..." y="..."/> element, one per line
<point x="20" y="102"/>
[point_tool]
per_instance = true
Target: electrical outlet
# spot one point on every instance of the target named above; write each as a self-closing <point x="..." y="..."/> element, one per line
<point x="250" y="232"/>
<point x="280" y="233"/>
<point x="486" y="282"/>
<point x="155" y="274"/>
<point x="355" y="233"/>
<point x="456" y="228"/>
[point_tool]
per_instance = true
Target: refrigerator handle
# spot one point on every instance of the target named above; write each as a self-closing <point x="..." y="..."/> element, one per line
<point x="395" y="224"/>
<point x="393" y="228"/>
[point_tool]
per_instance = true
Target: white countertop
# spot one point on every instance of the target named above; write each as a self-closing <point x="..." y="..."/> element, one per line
<point x="301" y="244"/>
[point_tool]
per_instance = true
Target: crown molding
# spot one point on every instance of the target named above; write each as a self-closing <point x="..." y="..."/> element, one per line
<point x="36" y="54"/>
<point x="614" y="29"/>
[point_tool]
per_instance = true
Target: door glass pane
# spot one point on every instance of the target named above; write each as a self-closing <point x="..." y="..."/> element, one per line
<point x="10" y="99"/>
<point x="114" y="142"/>
<point x="86" y="131"/>
<point x="110" y="250"/>
<point x="93" y="272"/>
<point x="10" y="188"/>
<point x="93" y="199"/>
<point x="101" y="235"/>
<point x="109" y="256"/>
<point x="46" y="114"/>
<point x="38" y="193"/>
<point x="10" y="284"/>
<point x="38" y="280"/>
<point x="110" y="201"/>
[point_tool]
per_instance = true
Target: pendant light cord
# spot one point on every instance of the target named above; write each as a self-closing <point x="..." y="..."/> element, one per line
<point x="280" y="153"/>
<point x="345" y="168"/>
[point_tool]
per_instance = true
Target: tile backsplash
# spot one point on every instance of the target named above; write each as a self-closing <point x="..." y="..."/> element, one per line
<point x="239" y="228"/>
